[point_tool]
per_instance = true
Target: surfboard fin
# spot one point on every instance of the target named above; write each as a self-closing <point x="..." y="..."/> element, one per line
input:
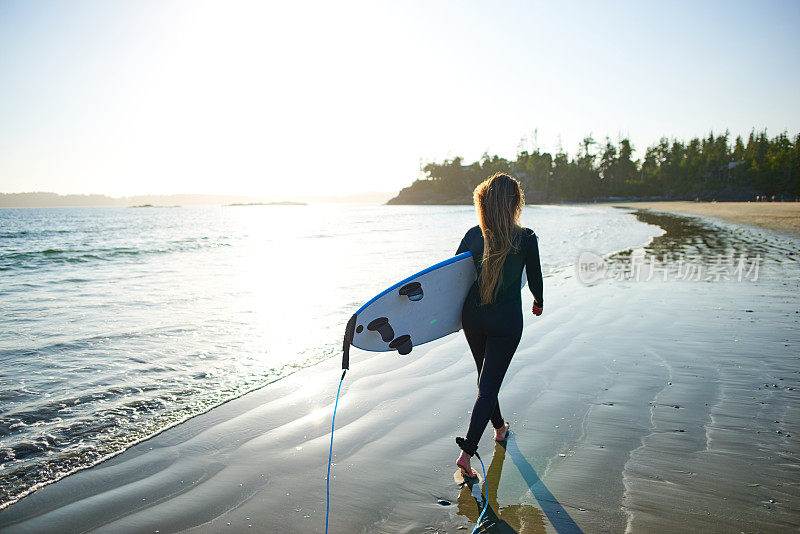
<point x="402" y="344"/>
<point x="413" y="291"/>
<point x="349" y="332"/>
<point x="382" y="326"/>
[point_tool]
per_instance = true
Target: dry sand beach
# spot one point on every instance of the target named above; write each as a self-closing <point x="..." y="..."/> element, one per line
<point x="636" y="405"/>
<point x="780" y="216"/>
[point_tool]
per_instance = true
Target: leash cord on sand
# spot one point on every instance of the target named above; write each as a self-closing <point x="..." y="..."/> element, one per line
<point x="330" y="455"/>
<point x="486" y="503"/>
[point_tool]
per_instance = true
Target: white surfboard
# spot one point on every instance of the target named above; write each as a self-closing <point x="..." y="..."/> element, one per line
<point x="419" y="309"/>
<point x="416" y="310"/>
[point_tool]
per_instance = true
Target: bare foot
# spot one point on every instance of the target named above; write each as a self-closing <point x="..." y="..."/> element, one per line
<point x="500" y="434"/>
<point x="463" y="464"/>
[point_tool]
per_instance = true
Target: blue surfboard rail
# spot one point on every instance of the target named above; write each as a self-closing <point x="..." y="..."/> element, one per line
<point x="403" y="282"/>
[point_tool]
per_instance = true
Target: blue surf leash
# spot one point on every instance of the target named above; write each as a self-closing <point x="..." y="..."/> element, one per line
<point x="486" y="502"/>
<point x="330" y="456"/>
<point x="348" y="340"/>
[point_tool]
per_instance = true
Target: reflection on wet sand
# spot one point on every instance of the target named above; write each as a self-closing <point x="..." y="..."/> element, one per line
<point x="700" y="238"/>
<point x="695" y="250"/>
<point x="522" y="518"/>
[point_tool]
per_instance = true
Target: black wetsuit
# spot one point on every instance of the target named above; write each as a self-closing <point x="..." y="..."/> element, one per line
<point x="493" y="330"/>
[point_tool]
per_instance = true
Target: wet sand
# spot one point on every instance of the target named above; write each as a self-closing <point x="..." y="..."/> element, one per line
<point x="635" y="406"/>
<point x="780" y="216"/>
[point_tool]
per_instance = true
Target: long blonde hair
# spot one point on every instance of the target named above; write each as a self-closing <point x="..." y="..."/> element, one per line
<point x="498" y="201"/>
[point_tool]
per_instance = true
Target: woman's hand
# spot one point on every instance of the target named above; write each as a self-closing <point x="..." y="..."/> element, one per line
<point x="537" y="310"/>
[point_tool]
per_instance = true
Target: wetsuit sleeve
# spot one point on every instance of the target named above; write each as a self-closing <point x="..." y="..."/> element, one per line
<point x="533" y="267"/>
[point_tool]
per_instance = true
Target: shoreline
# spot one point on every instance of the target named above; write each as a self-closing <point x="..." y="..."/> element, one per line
<point x="778" y="216"/>
<point x="641" y="388"/>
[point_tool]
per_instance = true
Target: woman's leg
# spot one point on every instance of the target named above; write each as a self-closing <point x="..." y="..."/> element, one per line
<point x="492" y="356"/>
<point x="477" y="344"/>
<point x="473" y="326"/>
<point x="497" y="357"/>
<point x="497" y="418"/>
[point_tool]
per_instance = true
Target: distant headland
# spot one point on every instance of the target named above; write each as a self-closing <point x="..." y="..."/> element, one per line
<point x="711" y="168"/>
<point x="47" y="200"/>
<point x="285" y="203"/>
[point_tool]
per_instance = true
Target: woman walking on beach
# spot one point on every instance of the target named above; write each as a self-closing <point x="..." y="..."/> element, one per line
<point x="492" y="313"/>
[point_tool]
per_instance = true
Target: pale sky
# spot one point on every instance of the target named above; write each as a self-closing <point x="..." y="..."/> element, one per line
<point x="281" y="98"/>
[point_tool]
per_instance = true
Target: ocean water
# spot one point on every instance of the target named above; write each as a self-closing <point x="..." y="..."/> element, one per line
<point x="116" y="323"/>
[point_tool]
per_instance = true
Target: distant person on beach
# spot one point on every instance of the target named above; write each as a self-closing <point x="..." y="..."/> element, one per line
<point x="492" y="313"/>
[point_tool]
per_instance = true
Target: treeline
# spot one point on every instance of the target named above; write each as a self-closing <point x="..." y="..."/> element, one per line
<point x="709" y="168"/>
